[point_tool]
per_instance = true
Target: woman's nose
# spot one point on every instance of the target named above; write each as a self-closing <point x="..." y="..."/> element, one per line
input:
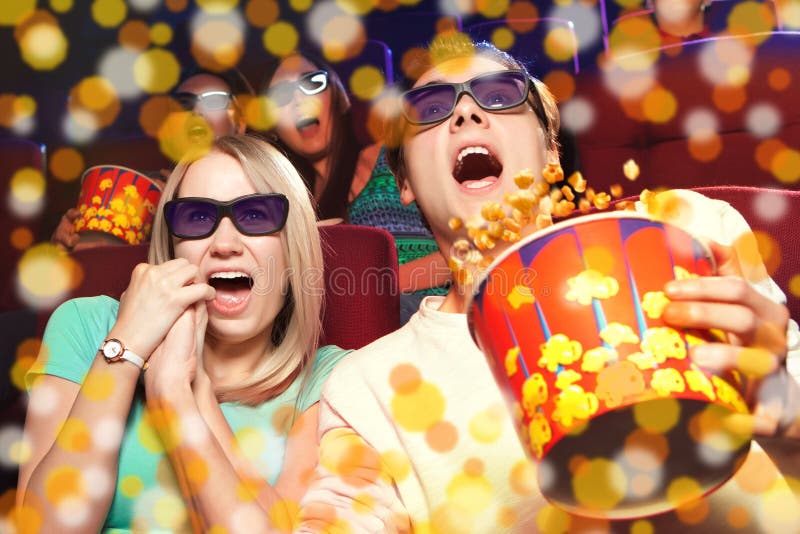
<point x="226" y="239"/>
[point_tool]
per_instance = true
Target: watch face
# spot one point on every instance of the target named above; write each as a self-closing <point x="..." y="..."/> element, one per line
<point x="112" y="349"/>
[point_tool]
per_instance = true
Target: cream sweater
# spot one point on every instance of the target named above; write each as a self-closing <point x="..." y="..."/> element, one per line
<point x="415" y="437"/>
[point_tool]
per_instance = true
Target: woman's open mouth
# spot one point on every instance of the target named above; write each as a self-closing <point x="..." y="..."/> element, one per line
<point x="233" y="290"/>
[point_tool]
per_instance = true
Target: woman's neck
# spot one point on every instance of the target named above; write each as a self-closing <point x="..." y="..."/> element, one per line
<point x="231" y="363"/>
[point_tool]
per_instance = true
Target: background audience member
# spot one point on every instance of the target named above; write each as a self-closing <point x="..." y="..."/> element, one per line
<point x="210" y="99"/>
<point x="680" y="18"/>
<point x="315" y="126"/>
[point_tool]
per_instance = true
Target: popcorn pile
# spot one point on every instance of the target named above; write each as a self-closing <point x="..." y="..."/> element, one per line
<point x="534" y="203"/>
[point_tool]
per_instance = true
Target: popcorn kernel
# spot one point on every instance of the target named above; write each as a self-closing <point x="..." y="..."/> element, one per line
<point x="615" y="190"/>
<point x="512" y="225"/>
<point x="524" y="178"/>
<point x="495" y="229"/>
<point x="543" y="220"/>
<point x="631" y="170"/>
<point x="553" y="173"/>
<point x="577" y="181"/>
<point x="568" y="194"/>
<point x="492" y="211"/>
<point x="541" y="189"/>
<point x="455" y="223"/>
<point x="601" y="201"/>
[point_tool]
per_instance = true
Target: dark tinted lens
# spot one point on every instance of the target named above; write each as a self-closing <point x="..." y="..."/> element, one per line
<point x="429" y="104"/>
<point x="281" y="93"/>
<point x="500" y="91"/>
<point x="215" y="101"/>
<point x="313" y="83"/>
<point x="186" y="100"/>
<point x="190" y="218"/>
<point x="261" y="214"/>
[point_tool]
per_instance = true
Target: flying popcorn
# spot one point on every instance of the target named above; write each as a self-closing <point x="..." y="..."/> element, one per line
<point x="631" y="170"/>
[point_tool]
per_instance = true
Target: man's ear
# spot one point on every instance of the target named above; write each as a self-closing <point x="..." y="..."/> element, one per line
<point x="552" y="157"/>
<point x="407" y="195"/>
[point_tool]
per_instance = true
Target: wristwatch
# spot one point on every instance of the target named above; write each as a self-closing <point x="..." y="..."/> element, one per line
<point x="113" y="350"/>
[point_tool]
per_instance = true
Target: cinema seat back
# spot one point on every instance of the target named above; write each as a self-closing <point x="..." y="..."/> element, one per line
<point x="362" y="302"/>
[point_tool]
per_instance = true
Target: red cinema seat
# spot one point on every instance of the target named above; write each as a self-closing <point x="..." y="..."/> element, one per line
<point x="17" y="154"/>
<point x="362" y="302"/>
<point x="773" y="214"/>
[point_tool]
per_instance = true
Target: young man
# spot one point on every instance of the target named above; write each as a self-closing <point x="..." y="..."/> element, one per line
<point x="415" y="433"/>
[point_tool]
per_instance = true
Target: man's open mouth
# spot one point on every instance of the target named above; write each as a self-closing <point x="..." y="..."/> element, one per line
<point x="474" y="164"/>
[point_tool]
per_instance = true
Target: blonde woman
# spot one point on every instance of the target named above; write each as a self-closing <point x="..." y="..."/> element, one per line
<point x="192" y="402"/>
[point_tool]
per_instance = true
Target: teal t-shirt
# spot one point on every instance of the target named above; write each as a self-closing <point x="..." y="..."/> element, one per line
<point x="147" y="497"/>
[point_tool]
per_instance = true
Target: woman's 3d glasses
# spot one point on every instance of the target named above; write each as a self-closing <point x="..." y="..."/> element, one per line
<point x="310" y="84"/>
<point x="210" y="100"/>
<point x="494" y="91"/>
<point x="253" y="215"/>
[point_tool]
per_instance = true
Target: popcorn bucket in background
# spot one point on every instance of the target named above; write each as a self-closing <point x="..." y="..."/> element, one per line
<point x="606" y="398"/>
<point x="118" y="202"/>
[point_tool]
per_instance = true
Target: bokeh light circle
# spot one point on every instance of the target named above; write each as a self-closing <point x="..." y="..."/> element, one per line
<point x="763" y="120"/>
<point x="109" y="13"/>
<point x="26" y="192"/>
<point x="156" y="71"/>
<point x="45" y="274"/>
<point x="281" y="39"/>
<point x="218" y="40"/>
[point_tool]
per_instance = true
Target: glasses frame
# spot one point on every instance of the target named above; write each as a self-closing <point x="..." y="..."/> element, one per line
<point x="198" y="98"/>
<point x="296" y="84"/>
<point x="225" y="209"/>
<point x="466" y="88"/>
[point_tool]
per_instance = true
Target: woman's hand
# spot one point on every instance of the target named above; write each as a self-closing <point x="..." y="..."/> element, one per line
<point x="176" y="361"/>
<point x="65" y="234"/>
<point x="156" y="296"/>
<point x="756" y="330"/>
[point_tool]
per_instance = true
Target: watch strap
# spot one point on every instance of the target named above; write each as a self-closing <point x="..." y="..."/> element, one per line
<point x="132" y="357"/>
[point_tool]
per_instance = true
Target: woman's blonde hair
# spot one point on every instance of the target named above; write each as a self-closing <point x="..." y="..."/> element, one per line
<point x="296" y="329"/>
